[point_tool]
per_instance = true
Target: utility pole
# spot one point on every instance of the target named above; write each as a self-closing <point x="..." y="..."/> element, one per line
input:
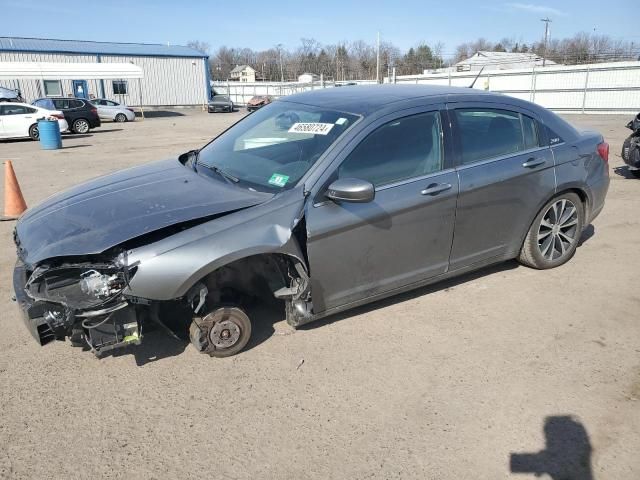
<point x="279" y="46"/>
<point x="546" y="39"/>
<point x="378" y="59"/>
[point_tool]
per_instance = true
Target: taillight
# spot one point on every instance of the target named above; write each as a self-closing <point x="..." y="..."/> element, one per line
<point x="94" y="110"/>
<point x="130" y="109"/>
<point x="603" y="151"/>
<point x="58" y="116"/>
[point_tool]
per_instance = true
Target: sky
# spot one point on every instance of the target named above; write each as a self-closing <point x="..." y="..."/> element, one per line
<point x="259" y="24"/>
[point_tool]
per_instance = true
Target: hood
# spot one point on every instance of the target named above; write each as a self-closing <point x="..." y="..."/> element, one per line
<point x="100" y="214"/>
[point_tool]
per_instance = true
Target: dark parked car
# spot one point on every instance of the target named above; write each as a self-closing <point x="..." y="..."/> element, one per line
<point x="258" y="102"/>
<point x="80" y="114"/>
<point x="325" y="200"/>
<point x="220" y="103"/>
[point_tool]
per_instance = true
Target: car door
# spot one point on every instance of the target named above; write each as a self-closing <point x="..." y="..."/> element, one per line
<point x="103" y="108"/>
<point x="505" y="176"/>
<point x="16" y="120"/>
<point x="359" y="250"/>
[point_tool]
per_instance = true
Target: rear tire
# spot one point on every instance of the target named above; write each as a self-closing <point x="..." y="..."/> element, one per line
<point x="635" y="173"/>
<point x="554" y="234"/>
<point x="223" y="332"/>
<point x="625" y="149"/>
<point x="34" y="133"/>
<point x="80" y="126"/>
<point x="121" y="118"/>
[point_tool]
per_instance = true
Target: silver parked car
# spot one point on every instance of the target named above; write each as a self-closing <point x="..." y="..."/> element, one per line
<point x="324" y="200"/>
<point x="114" y="111"/>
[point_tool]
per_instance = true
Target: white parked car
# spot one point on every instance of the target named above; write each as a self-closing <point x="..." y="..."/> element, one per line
<point x="21" y="120"/>
<point x="110" y="110"/>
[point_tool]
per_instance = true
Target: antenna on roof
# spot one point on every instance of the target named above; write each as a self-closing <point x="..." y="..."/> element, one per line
<point x="477" y="76"/>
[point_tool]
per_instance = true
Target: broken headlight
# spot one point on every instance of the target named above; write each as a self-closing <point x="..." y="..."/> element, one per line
<point x="100" y="285"/>
<point x="77" y="286"/>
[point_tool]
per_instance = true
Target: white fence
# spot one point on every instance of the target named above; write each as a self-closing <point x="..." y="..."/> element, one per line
<point x="594" y="88"/>
<point x="241" y="92"/>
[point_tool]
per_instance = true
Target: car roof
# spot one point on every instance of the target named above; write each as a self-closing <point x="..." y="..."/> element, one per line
<point x="365" y="99"/>
<point x="61" y="98"/>
<point x="16" y="103"/>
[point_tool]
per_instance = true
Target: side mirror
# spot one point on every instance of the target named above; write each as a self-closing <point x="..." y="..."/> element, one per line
<point x="351" y="190"/>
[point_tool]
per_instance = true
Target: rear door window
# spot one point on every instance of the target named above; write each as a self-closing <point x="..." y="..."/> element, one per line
<point x="488" y="133"/>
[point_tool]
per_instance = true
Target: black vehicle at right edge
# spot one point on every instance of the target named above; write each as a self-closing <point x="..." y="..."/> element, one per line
<point x="631" y="147"/>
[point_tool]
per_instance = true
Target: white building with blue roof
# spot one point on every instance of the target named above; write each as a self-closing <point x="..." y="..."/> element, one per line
<point x="173" y="75"/>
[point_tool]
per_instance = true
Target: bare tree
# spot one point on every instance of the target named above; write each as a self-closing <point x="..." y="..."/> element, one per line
<point x="199" y="45"/>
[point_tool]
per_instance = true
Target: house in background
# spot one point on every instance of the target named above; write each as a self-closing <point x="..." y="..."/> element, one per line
<point x="173" y="74"/>
<point x="498" y="61"/>
<point x="242" y="73"/>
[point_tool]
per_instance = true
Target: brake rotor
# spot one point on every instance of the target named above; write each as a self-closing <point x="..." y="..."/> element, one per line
<point x="224" y="334"/>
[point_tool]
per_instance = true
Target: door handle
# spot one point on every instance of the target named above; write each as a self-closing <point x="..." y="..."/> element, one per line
<point x="435" y="188"/>
<point x="534" y="162"/>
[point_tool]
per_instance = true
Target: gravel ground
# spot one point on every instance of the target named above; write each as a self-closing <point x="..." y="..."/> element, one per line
<point x="446" y="382"/>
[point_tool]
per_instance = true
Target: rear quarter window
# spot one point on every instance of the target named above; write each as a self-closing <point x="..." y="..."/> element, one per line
<point x="554" y="138"/>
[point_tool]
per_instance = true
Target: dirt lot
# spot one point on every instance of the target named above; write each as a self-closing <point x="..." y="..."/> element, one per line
<point x="443" y="383"/>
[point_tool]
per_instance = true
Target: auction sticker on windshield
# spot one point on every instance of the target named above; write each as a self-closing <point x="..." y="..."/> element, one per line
<point x="278" y="180"/>
<point x="315" y="128"/>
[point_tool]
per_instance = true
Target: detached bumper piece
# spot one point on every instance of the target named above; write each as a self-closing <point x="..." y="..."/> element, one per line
<point x="82" y="302"/>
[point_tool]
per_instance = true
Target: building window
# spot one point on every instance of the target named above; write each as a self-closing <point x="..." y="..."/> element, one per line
<point x="52" y="88"/>
<point x="119" y="87"/>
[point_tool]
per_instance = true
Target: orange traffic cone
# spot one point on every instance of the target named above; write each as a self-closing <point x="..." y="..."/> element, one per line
<point x="14" y="203"/>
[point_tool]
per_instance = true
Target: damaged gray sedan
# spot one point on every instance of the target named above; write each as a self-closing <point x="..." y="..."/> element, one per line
<point x="324" y="200"/>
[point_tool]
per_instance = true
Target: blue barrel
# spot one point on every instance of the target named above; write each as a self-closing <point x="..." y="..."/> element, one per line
<point x="50" y="138"/>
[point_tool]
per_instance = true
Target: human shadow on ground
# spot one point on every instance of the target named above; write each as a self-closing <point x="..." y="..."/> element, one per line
<point x="567" y="452"/>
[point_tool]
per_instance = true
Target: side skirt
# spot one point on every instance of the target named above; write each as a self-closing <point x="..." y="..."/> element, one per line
<point x="407" y="288"/>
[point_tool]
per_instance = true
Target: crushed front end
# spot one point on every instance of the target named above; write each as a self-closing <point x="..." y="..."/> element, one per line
<point x="81" y="300"/>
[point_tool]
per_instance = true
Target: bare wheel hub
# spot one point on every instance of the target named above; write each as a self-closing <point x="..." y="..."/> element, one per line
<point x="224" y="334"/>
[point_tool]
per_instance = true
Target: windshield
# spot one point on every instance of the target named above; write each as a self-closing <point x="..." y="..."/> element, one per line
<point x="273" y="148"/>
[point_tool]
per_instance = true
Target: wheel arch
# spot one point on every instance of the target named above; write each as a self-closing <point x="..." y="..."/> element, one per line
<point x="34" y="124"/>
<point x="257" y="275"/>
<point x="569" y="188"/>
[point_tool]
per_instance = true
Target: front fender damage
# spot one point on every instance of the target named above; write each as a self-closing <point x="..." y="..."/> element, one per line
<point x="102" y="302"/>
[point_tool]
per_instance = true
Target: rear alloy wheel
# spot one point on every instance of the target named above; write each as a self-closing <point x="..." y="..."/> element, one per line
<point x="626" y="146"/>
<point x="34" y="133"/>
<point x="80" y="126"/>
<point x="223" y="332"/>
<point x="121" y="118"/>
<point x="554" y="235"/>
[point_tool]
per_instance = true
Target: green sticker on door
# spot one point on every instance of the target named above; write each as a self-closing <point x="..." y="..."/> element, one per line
<point x="278" y="180"/>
